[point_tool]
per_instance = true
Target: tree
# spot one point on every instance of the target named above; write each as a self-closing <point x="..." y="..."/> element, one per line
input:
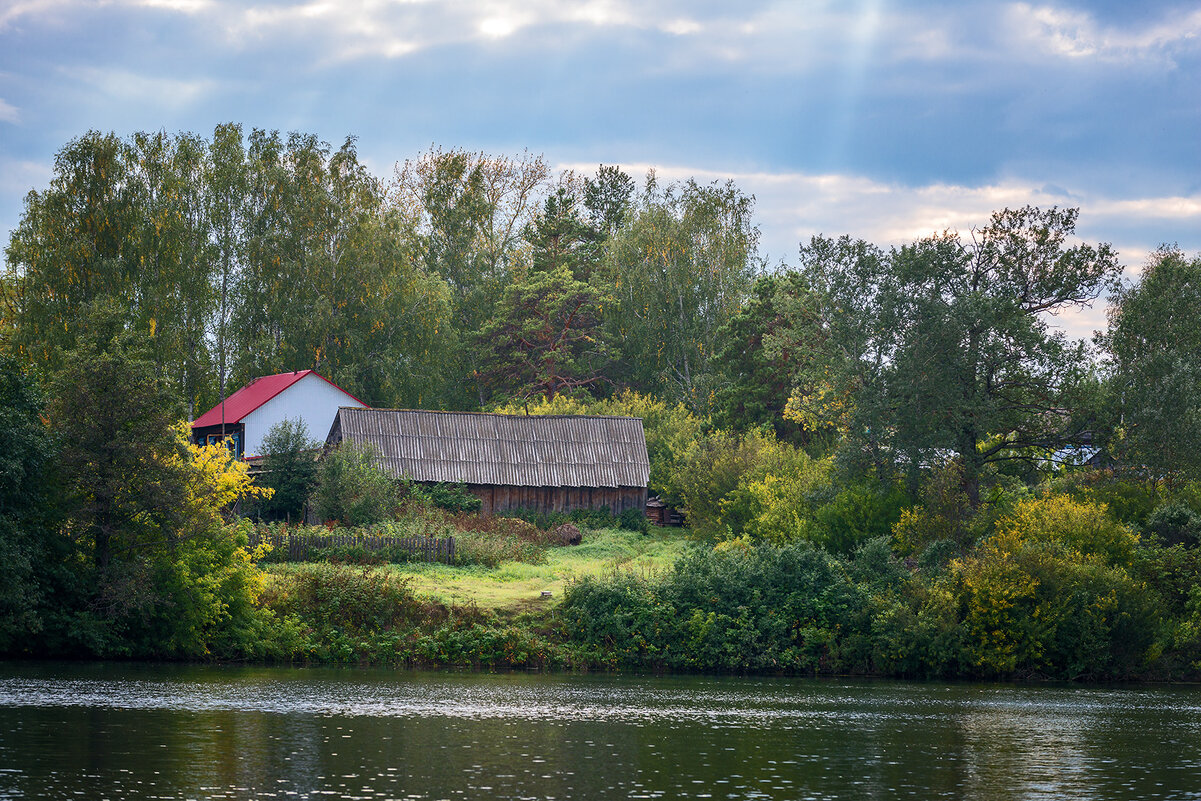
<point x="469" y="211"/>
<point x="950" y="349"/>
<point x="607" y="198"/>
<point x="290" y="468"/>
<point x="26" y="514"/>
<point x="122" y="221"/>
<point x="352" y="489"/>
<point x="679" y="267"/>
<point x="765" y="347"/>
<point x="559" y="236"/>
<point x="545" y="337"/>
<point x="1154" y="346"/>
<point x="120" y="457"/>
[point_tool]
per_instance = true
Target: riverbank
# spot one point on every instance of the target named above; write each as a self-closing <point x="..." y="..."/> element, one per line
<point x="626" y="601"/>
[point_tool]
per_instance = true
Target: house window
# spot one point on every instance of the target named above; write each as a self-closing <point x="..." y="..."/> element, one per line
<point x="233" y="441"/>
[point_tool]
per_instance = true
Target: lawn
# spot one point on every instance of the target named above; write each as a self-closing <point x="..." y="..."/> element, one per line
<point x="518" y="586"/>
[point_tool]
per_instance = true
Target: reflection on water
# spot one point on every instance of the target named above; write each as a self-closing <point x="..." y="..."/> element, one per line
<point x="125" y="732"/>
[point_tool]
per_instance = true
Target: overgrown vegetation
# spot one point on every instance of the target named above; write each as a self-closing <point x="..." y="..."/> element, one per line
<point x="889" y="461"/>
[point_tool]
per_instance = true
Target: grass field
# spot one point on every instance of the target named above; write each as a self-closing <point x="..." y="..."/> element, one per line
<point x="518" y="586"/>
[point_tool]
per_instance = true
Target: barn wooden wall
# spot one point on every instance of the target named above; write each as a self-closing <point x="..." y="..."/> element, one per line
<point x="558" y="499"/>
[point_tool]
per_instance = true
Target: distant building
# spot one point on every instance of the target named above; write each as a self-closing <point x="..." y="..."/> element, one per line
<point x="541" y="463"/>
<point x="250" y="412"/>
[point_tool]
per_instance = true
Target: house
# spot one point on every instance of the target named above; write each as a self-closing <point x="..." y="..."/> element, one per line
<point x="546" y="464"/>
<point x="248" y="414"/>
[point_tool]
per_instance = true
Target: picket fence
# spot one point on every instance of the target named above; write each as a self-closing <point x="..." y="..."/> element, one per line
<point x="299" y="545"/>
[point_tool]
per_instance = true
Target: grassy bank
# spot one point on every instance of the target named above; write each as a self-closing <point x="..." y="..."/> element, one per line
<point x="517" y="585"/>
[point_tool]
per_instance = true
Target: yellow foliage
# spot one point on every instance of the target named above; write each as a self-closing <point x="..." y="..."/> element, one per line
<point x="216" y="478"/>
<point x="1084" y="528"/>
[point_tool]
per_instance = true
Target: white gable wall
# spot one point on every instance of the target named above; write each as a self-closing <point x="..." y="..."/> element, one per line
<point x="311" y="399"/>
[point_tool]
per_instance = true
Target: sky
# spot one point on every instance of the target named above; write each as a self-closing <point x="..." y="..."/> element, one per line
<point x="884" y="120"/>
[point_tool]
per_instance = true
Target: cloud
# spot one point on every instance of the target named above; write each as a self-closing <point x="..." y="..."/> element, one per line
<point x="8" y="112"/>
<point x="135" y="88"/>
<point x="1078" y="35"/>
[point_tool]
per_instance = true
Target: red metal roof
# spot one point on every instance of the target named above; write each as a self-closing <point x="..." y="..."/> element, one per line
<point x="254" y="395"/>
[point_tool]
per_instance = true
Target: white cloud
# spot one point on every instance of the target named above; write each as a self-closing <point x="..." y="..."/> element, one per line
<point x="138" y="89"/>
<point x="18" y="176"/>
<point x="1078" y="35"/>
<point x="9" y="112"/>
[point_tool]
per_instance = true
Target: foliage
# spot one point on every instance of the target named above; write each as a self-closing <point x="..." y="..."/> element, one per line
<point x="121" y="459"/>
<point x="27" y="542"/>
<point x="1038" y="605"/>
<point x="754" y="484"/>
<point x="352" y="489"/>
<point x="289" y="468"/>
<point x="1083" y="528"/>
<point x="762" y="351"/>
<point x="764" y="608"/>
<point x="951" y="348"/>
<point x="944" y="514"/>
<point x="544" y="337"/>
<point x="679" y="268"/>
<point x="1175" y="523"/>
<point x="1154" y="346"/>
<point x="856" y="514"/>
<point x="448" y="497"/>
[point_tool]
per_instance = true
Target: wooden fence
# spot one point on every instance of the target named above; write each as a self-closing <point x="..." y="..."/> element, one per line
<point x="300" y="545"/>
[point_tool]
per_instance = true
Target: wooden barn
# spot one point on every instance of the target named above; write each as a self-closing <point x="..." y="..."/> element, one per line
<point x="549" y="464"/>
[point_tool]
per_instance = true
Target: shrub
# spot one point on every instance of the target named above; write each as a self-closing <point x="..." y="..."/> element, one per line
<point x="1082" y="527"/>
<point x="634" y="520"/>
<point x="857" y="514"/>
<point x="290" y="469"/>
<point x="1040" y="606"/>
<point x="356" y="600"/>
<point x="1175" y="523"/>
<point x="351" y="489"/>
<point x="452" y="498"/>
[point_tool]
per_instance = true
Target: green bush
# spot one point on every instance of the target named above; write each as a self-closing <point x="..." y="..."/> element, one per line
<point x="1175" y="523"/>
<point x="352" y="490"/>
<point x="289" y="470"/>
<point x="634" y="520"/>
<point x="454" y="498"/>
<point x="792" y="608"/>
<point x="857" y="514"/>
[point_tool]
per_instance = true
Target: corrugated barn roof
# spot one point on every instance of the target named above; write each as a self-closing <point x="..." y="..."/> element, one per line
<point x="501" y="449"/>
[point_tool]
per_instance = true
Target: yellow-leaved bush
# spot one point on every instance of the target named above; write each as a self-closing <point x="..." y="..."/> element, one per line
<point x="208" y="581"/>
<point x="1051" y="590"/>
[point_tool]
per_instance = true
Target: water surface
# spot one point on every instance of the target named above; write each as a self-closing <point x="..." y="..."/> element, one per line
<point x="172" y="732"/>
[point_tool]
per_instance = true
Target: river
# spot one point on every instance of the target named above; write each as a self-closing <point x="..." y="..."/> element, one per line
<point x="118" y="731"/>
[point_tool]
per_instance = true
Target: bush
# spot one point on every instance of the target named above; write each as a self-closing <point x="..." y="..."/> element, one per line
<point x="1085" y="528"/>
<point x="1042" y="607"/>
<point x="792" y="608"/>
<point x="858" y="513"/>
<point x="1175" y="523"/>
<point x="352" y="490"/>
<point x="634" y="520"/>
<point x="454" y="498"/>
<point x="290" y="469"/>
<point x="356" y="600"/>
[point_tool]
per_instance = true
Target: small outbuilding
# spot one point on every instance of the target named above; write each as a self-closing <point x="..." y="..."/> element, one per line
<point x="249" y="413"/>
<point x="542" y="463"/>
